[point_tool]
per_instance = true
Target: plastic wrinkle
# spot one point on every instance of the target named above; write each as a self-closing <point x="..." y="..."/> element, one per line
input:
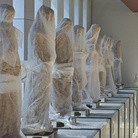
<point x="61" y="93"/>
<point x="10" y="74"/>
<point x="117" y="63"/>
<point x="101" y="66"/>
<point x="92" y="88"/>
<point x="111" y="55"/>
<point x="79" y="79"/>
<point x="79" y="64"/>
<point x="110" y="85"/>
<point x="62" y="77"/>
<point x="9" y="83"/>
<point x="26" y="66"/>
<point x="41" y="55"/>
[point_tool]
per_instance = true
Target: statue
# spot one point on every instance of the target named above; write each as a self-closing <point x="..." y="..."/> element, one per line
<point x="117" y="63"/>
<point x="10" y="74"/>
<point x="101" y="66"/>
<point x="61" y="95"/>
<point x="110" y="85"/>
<point x="41" y="56"/>
<point x="79" y="76"/>
<point x="92" y="88"/>
<point x="111" y="54"/>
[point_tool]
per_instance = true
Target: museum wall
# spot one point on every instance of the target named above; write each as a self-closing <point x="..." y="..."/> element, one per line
<point x="117" y="20"/>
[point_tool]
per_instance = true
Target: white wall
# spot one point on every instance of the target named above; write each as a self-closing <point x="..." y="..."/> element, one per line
<point x="117" y="20"/>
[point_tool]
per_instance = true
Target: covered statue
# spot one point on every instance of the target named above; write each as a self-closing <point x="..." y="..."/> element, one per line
<point x="101" y="66"/>
<point x="117" y="63"/>
<point x="61" y="95"/>
<point x="10" y="74"/>
<point x="110" y="85"/>
<point x="41" y="57"/>
<point x="79" y="64"/>
<point x="92" y="89"/>
<point x="111" y="55"/>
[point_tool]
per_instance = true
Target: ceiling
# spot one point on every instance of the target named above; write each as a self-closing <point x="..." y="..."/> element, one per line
<point x="131" y="4"/>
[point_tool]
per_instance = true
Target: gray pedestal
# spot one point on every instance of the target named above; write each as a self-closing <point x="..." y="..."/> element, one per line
<point x="84" y="123"/>
<point x="125" y="126"/>
<point x="92" y="105"/>
<point x="61" y="123"/>
<point x="120" y="108"/>
<point x="68" y="133"/>
<point x="131" y="111"/>
<point x="135" y="95"/>
<point x="81" y="113"/>
<point x="112" y="115"/>
<point x="47" y="135"/>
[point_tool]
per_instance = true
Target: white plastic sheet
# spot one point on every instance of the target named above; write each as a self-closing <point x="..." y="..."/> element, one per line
<point x="117" y="63"/>
<point x="111" y="55"/>
<point x="79" y="77"/>
<point x="92" y="88"/>
<point x="61" y="95"/>
<point x="41" y="55"/>
<point x="110" y="85"/>
<point x="10" y="76"/>
<point x="101" y="66"/>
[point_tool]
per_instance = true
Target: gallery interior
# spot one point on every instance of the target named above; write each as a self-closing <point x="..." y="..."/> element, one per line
<point x="68" y="69"/>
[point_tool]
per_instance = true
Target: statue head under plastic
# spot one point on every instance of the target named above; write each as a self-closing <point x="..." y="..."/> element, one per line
<point x="7" y="13"/>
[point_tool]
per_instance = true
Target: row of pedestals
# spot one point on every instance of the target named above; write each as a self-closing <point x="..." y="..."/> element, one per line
<point x="115" y="117"/>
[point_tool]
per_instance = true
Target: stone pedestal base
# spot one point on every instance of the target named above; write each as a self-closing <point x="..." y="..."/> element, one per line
<point x="81" y="113"/>
<point x="62" y="124"/>
<point x="44" y="135"/>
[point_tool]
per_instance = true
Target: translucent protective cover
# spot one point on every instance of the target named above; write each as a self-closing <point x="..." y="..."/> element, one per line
<point x="110" y="85"/>
<point x="61" y="95"/>
<point x="92" y="89"/>
<point x="41" y="57"/>
<point x="101" y="66"/>
<point x="79" y="76"/>
<point x="117" y="63"/>
<point x="111" y="54"/>
<point x="10" y="75"/>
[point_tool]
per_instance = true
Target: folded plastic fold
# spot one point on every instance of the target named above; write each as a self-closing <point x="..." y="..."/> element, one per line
<point x="61" y="94"/>
<point x="111" y="55"/>
<point x="41" y="55"/>
<point x="79" y="64"/>
<point x="117" y="63"/>
<point x="101" y="66"/>
<point x="62" y="87"/>
<point x="10" y="75"/>
<point x="110" y="85"/>
<point x="92" y="88"/>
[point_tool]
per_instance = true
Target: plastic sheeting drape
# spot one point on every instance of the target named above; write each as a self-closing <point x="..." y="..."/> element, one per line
<point x="117" y="63"/>
<point x="41" y="55"/>
<point x="10" y="78"/>
<point x="61" y="95"/>
<point x="110" y="85"/>
<point x="92" y="90"/>
<point x="101" y="66"/>
<point x="111" y="55"/>
<point x="79" y="76"/>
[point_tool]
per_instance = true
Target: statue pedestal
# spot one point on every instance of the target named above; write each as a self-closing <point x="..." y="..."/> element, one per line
<point x="45" y="135"/>
<point x="110" y="94"/>
<point x="121" y="86"/>
<point x="93" y="105"/>
<point x="81" y="113"/>
<point x="103" y="99"/>
<point x="61" y="124"/>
